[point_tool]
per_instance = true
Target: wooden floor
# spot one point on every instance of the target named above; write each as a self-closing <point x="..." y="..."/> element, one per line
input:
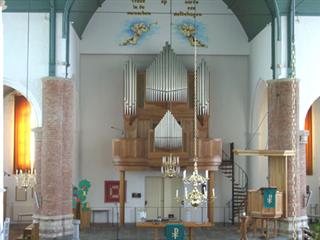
<point x="16" y="230"/>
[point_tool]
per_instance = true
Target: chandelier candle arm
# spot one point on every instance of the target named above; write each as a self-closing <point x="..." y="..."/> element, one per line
<point x="170" y="166"/>
<point x="25" y="179"/>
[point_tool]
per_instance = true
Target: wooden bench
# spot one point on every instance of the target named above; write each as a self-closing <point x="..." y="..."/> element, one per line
<point x="30" y="232"/>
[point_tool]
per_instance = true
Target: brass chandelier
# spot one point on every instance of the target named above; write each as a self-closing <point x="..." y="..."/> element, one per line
<point x="199" y="191"/>
<point x="170" y="166"/>
<point x="25" y="179"/>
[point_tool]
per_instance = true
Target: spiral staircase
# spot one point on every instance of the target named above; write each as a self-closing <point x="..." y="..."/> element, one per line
<point x="239" y="182"/>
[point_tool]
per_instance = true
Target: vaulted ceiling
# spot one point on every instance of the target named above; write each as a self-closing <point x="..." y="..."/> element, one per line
<point x="252" y="14"/>
<point x="80" y="14"/>
<point x="255" y="14"/>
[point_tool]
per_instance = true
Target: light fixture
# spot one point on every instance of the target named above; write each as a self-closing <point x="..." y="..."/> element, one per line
<point x="25" y="178"/>
<point x="198" y="193"/>
<point x="199" y="183"/>
<point x="170" y="166"/>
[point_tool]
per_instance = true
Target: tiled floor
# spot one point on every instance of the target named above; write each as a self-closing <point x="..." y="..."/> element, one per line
<point x="130" y="232"/>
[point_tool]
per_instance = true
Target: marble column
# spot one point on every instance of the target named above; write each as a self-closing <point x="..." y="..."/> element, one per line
<point x="303" y="140"/>
<point x="56" y="156"/>
<point x="286" y="173"/>
<point x="37" y="167"/>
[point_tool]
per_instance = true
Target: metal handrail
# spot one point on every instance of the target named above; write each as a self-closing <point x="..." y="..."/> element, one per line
<point x="244" y="176"/>
<point x="239" y="178"/>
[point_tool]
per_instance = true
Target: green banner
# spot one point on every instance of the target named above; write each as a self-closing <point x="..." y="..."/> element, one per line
<point x="174" y="232"/>
<point x="269" y="197"/>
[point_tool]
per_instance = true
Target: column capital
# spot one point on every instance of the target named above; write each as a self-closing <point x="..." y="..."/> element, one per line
<point x="3" y="5"/>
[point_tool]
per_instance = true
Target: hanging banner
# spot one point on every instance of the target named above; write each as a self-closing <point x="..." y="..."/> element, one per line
<point x="174" y="232"/>
<point x="269" y="197"/>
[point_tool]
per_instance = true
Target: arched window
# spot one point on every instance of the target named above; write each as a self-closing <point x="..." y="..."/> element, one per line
<point x="309" y="150"/>
<point x="22" y="130"/>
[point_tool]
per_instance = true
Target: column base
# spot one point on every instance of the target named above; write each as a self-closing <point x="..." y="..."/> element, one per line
<point x="286" y="226"/>
<point x="57" y="227"/>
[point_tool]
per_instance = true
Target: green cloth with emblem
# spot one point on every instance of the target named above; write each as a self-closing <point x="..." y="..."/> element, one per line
<point x="269" y="197"/>
<point x="174" y="231"/>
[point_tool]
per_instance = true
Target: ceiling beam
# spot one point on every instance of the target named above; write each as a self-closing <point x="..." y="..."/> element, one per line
<point x="252" y="14"/>
<point x="35" y="5"/>
<point x="81" y="13"/>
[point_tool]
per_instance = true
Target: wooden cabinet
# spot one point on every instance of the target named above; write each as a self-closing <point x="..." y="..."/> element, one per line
<point x="256" y="205"/>
<point x="85" y="217"/>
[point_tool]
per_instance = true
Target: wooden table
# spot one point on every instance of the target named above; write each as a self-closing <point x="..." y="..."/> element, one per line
<point x="100" y="210"/>
<point x="187" y="225"/>
<point x="21" y="215"/>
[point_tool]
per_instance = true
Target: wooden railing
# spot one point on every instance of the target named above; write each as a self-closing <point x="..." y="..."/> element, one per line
<point x="130" y="153"/>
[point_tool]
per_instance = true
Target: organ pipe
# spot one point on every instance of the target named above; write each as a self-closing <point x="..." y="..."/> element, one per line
<point x="168" y="133"/>
<point x="130" y="89"/>
<point x="203" y="86"/>
<point x="166" y="78"/>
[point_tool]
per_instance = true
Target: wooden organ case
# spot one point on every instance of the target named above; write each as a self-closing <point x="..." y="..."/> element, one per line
<point x="165" y="86"/>
<point x="146" y="101"/>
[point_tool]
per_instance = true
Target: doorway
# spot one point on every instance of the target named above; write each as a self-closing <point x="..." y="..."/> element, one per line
<point x="160" y="197"/>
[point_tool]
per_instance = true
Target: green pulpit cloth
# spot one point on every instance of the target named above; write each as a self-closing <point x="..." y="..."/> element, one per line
<point x="174" y="232"/>
<point x="269" y="197"/>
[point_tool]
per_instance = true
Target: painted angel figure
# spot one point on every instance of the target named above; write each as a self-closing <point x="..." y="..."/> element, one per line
<point x="138" y="29"/>
<point x="189" y="31"/>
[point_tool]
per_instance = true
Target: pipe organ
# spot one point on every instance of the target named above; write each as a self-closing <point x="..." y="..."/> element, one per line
<point x="168" y="133"/>
<point x="166" y="78"/>
<point x="203" y="88"/>
<point x="129" y="88"/>
<point x="159" y="115"/>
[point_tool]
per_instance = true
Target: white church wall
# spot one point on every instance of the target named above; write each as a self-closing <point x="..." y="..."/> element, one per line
<point x="101" y="108"/>
<point x="15" y="54"/>
<point x="260" y="72"/>
<point x="108" y="28"/>
<point x="60" y="47"/>
<point x="307" y="65"/>
<point x="74" y="74"/>
<point x="307" y="62"/>
<point x="15" y="62"/>
<point x="314" y="180"/>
